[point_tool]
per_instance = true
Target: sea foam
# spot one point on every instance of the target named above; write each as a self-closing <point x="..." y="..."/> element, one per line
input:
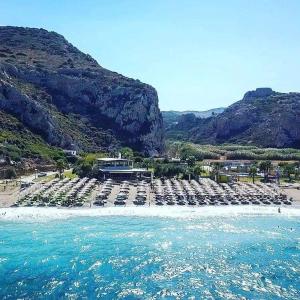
<point x="44" y="214"/>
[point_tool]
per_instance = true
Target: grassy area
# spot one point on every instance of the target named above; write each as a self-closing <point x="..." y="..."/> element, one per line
<point x="44" y="178"/>
<point x="249" y="179"/>
<point x="286" y="180"/>
<point x="69" y="174"/>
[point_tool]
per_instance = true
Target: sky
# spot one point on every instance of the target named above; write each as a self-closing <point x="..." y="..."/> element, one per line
<point x="197" y="54"/>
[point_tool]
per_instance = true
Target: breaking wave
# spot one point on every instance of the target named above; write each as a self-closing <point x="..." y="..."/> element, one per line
<point x="44" y="214"/>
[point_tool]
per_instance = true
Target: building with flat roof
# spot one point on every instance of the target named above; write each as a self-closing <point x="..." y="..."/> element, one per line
<point x="70" y="152"/>
<point x="120" y="168"/>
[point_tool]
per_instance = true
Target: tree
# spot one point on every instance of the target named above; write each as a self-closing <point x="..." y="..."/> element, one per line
<point x="216" y="166"/>
<point x="253" y="172"/>
<point x="127" y="152"/>
<point x="60" y="167"/>
<point x="10" y="173"/>
<point x="85" y="168"/>
<point x="168" y="170"/>
<point x="297" y="170"/>
<point x="265" y="167"/>
<point x="188" y="151"/>
<point x="148" y="163"/>
<point x="191" y="160"/>
<point x="198" y="169"/>
<point x="288" y="170"/>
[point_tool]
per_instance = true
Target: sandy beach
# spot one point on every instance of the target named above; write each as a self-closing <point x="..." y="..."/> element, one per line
<point x="294" y="193"/>
<point x="9" y="197"/>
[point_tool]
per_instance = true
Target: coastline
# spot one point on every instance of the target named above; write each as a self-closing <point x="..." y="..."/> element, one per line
<point x="38" y="214"/>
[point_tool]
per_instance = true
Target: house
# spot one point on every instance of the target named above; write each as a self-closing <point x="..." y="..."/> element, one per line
<point x="120" y="168"/>
<point x="70" y="152"/>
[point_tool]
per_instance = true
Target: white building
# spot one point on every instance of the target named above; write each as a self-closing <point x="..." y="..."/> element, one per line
<point x="120" y="168"/>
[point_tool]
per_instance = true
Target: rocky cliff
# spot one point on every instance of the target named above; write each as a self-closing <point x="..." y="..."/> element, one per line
<point x="66" y="97"/>
<point x="263" y="118"/>
<point x="172" y="117"/>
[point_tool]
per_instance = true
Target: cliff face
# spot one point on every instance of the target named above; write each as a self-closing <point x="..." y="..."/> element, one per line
<point x="263" y="117"/>
<point x="172" y="117"/>
<point x="70" y="100"/>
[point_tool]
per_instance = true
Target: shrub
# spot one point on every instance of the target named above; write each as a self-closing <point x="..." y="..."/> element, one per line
<point x="10" y="173"/>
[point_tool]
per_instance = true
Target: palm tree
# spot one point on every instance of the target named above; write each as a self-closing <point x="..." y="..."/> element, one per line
<point x="216" y="171"/>
<point x="288" y="170"/>
<point x="297" y="170"/>
<point x="265" y="167"/>
<point x="60" y="166"/>
<point x="253" y="172"/>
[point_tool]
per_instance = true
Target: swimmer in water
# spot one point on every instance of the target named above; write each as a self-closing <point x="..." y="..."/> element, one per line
<point x="279" y="210"/>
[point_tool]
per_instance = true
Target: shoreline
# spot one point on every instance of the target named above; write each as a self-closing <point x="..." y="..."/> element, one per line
<point x="37" y="214"/>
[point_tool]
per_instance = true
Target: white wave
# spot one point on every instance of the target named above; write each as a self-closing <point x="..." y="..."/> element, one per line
<point x="44" y="214"/>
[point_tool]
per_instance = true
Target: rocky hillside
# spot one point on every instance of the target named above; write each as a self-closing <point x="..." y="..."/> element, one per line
<point x="263" y="118"/>
<point x="171" y="117"/>
<point x="67" y="98"/>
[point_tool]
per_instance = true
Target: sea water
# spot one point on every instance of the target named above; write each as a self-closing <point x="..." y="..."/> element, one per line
<point x="149" y="254"/>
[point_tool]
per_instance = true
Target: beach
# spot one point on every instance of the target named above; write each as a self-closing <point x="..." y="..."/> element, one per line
<point x="89" y="193"/>
<point x="294" y="193"/>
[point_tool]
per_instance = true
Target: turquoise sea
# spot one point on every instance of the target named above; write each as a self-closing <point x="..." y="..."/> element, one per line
<point x="147" y="257"/>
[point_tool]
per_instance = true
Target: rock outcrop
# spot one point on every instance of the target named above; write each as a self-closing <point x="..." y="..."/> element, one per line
<point x="66" y="97"/>
<point x="172" y="117"/>
<point x="263" y="118"/>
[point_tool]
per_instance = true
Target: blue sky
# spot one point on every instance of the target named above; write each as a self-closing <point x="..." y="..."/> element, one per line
<point x="197" y="54"/>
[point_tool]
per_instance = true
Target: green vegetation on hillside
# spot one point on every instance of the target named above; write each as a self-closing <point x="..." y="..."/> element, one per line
<point x="17" y="142"/>
<point x="263" y="118"/>
<point x="200" y="152"/>
<point x="64" y="96"/>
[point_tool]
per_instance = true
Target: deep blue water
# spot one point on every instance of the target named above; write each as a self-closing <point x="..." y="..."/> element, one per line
<point x="242" y="257"/>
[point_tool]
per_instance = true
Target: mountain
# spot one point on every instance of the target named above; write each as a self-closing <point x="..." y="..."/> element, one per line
<point x="171" y="117"/>
<point x="263" y="117"/>
<point x="65" y="97"/>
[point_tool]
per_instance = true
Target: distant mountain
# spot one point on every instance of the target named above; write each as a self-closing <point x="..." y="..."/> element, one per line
<point x="171" y="117"/>
<point x="68" y="100"/>
<point x="263" y="118"/>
